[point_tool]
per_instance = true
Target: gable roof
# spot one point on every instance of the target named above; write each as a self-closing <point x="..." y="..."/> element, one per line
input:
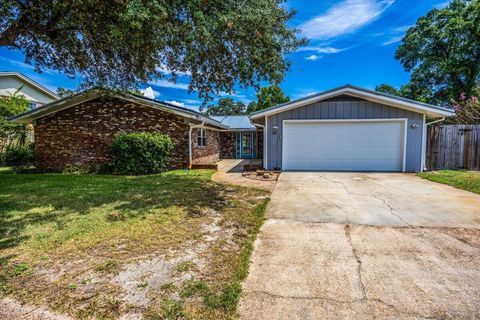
<point x="70" y="101"/>
<point x="367" y="94"/>
<point x="236" y="123"/>
<point x="33" y="83"/>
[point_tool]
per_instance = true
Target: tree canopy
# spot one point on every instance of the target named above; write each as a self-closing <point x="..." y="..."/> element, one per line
<point x="11" y="105"/>
<point x="268" y="97"/>
<point x="407" y="91"/>
<point x="224" y="107"/>
<point x="442" y="50"/>
<point x="218" y="43"/>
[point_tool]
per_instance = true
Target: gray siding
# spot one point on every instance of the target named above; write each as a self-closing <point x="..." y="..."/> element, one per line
<point x="347" y="110"/>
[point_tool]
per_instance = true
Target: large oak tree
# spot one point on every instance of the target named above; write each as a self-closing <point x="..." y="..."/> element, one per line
<point x="116" y="43"/>
<point x="442" y="50"/>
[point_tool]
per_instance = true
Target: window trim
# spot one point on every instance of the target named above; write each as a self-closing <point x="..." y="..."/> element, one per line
<point x="202" y="138"/>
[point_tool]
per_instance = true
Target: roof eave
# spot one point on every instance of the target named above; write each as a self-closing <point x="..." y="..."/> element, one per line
<point x="33" y="83"/>
<point x="82" y="97"/>
<point x="367" y="95"/>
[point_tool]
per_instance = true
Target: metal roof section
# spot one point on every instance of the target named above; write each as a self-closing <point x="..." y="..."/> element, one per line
<point x="367" y="94"/>
<point x="70" y="101"/>
<point x="236" y="123"/>
<point x="30" y="81"/>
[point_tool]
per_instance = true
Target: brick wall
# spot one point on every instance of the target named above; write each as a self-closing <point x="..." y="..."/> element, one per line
<point x="228" y="150"/>
<point x="82" y="135"/>
<point x="208" y="153"/>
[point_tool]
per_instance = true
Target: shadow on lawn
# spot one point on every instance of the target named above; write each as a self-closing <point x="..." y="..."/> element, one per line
<point x="30" y="200"/>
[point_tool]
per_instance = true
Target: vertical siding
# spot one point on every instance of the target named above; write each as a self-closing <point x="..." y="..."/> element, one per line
<point x="347" y="110"/>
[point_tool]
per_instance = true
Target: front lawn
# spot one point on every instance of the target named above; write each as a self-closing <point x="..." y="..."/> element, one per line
<point x="466" y="180"/>
<point x="162" y="246"/>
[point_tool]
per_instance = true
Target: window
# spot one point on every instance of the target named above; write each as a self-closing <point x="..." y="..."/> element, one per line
<point x="202" y="138"/>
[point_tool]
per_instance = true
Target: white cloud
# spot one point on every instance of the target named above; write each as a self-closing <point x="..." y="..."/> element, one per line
<point x="313" y="57"/>
<point x="184" y="105"/>
<point x="150" y="93"/>
<point x="396" y="35"/>
<point x="317" y="49"/>
<point x="393" y="40"/>
<point x="343" y="18"/>
<point x="164" y="69"/>
<point x="175" y="103"/>
<point x="168" y="84"/>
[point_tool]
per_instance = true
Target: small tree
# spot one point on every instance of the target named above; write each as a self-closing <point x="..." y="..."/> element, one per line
<point x="12" y="132"/>
<point x="225" y="107"/>
<point x="467" y="109"/>
<point x="268" y="97"/>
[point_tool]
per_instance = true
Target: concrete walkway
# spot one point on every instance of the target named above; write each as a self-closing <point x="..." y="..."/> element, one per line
<point x="230" y="171"/>
<point x="365" y="246"/>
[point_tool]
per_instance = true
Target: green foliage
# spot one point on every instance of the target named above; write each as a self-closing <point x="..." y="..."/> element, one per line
<point x="10" y="106"/>
<point x="268" y="97"/>
<point x="442" y="51"/>
<point x="141" y="153"/>
<point x="19" y="158"/>
<point x="466" y="180"/>
<point x="62" y="92"/>
<point x="220" y="43"/>
<point x="225" y="107"/>
<point x="409" y="91"/>
<point x="467" y="110"/>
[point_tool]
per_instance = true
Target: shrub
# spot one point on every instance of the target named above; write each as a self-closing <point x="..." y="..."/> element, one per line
<point x="140" y="153"/>
<point x="19" y="158"/>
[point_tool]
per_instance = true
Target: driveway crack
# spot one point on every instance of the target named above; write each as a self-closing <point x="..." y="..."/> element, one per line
<point x="333" y="300"/>
<point x="392" y="211"/>
<point x="357" y="259"/>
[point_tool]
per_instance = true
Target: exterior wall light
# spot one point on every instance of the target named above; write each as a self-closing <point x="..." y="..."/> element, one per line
<point x="414" y="126"/>
<point x="274" y="129"/>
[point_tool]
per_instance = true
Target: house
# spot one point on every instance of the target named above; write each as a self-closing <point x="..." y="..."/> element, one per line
<point x="36" y="94"/>
<point x="347" y="128"/>
<point x="78" y="130"/>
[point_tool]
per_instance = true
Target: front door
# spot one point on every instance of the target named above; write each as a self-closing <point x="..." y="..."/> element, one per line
<point x="245" y="145"/>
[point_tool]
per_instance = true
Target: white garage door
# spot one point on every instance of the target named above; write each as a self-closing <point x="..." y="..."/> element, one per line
<point x="344" y="145"/>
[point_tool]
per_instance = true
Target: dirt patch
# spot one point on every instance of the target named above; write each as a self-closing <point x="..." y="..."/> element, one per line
<point x="12" y="309"/>
<point x="237" y="178"/>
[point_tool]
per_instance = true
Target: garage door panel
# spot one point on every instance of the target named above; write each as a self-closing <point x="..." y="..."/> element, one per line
<point x="351" y="145"/>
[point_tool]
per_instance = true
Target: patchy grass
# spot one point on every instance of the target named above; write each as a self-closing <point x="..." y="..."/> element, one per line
<point x="466" y="180"/>
<point x="73" y="242"/>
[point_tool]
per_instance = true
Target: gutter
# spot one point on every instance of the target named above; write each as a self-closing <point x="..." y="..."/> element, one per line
<point x="264" y="142"/>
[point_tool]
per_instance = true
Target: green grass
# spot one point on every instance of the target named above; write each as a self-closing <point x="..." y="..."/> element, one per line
<point x="95" y="224"/>
<point x="466" y="180"/>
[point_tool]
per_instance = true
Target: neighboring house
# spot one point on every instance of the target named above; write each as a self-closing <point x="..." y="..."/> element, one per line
<point x="347" y="128"/>
<point x="36" y="94"/>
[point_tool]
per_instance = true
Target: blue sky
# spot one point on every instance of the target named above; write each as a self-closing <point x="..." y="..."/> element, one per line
<point x="350" y="41"/>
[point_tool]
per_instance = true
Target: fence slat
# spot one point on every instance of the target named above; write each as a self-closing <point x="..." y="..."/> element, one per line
<point x="453" y="147"/>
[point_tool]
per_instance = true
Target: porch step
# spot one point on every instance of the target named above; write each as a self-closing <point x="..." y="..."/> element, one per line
<point x="209" y="166"/>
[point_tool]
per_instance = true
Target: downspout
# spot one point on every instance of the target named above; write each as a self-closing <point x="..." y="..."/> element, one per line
<point x="264" y="143"/>
<point x="192" y="126"/>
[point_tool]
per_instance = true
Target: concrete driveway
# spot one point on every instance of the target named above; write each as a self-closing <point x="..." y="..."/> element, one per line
<point x="364" y="246"/>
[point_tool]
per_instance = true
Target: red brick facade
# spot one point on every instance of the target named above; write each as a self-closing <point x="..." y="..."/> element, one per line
<point x="82" y="135"/>
<point x="208" y="153"/>
<point x="228" y="144"/>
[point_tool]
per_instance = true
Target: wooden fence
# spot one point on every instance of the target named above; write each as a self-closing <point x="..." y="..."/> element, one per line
<point x="453" y="147"/>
